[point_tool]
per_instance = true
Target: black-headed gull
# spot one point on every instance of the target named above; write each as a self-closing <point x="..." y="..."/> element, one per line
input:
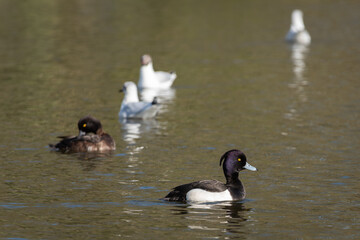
<point x="151" y="79"/>
<point x="131" y="107"/>
<point x="297" y="32"/>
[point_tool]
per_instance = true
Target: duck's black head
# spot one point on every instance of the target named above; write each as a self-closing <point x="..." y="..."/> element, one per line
<point x="89" y="124"/>
<point x="234" y="162"/>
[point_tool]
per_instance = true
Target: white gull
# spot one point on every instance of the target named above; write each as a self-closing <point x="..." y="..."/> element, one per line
<point x="149" y="78"/>
<point x="297" y="32"/>
<point x="131" y="107"/>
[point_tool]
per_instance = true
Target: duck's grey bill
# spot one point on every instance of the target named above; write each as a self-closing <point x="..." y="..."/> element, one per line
<point x="249" y="167"/>
<point x="81" y="133"/>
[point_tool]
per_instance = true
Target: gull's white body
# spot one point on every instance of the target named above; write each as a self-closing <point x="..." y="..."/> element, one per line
<point x="151" y="79"/>
<point x="297" y="32"/>
<point x="131" y="107"/>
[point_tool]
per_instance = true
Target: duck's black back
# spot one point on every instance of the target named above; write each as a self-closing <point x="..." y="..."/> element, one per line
<point x="179" y="192"/>
<point x="70" y="144"/>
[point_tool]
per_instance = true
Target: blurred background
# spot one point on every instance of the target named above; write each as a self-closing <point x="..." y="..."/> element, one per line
<point x="293" y="110"/>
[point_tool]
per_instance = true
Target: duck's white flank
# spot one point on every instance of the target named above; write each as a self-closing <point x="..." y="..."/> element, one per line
<point x="200" y="195"/>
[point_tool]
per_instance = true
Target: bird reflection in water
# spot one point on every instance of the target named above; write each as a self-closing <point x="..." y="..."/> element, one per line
<point x="134" y="128"/>
<point x="165" y="97"/>
<point x="222" y="216"/>
<point x="299" y="82"/>
<point x="234" y="212"/>
<point x="132" y="131"/>
<point x="91" y="160"/>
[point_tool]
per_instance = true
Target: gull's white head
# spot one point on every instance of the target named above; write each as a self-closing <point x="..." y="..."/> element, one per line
<point x="130" y="91"/>
<point x="297" y="22"/>
<point x="145" y="59"/>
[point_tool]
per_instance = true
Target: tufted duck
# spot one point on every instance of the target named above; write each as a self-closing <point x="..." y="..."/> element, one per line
<point x="91" y="138"/>
<point x="213" y="190"/>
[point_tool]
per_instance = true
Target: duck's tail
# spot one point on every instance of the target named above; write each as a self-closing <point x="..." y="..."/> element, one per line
<point x="155" y="101"/>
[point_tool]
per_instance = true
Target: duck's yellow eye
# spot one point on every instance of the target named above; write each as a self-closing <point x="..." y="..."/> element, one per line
<point x="84" y="125"/>
<point x="239" y="159"/>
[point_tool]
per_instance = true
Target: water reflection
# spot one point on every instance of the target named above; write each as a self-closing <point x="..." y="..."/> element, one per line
<point x="227" y="216"/>
<point x="88" y="160"/>
<point x="134" y="128"/>
<point x="233" y="209"/>
<point x="165" y="97"/>
<point x="298" y="56"/>
<point x="91" y="160"/>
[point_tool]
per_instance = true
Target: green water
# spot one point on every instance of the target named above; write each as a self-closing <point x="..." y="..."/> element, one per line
<point x="294" y="112"/>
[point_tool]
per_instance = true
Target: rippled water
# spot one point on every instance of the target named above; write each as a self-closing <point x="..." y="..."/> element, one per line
<point x="293" y="110"/>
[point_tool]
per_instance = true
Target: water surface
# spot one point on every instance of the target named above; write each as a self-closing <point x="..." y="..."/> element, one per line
<point x="293" y="110"/>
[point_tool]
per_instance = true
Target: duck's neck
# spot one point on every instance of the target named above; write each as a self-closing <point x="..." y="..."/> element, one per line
<point x="99" y="131"/>
<point x="232" y="179"/>
<point x="235" y="186"/>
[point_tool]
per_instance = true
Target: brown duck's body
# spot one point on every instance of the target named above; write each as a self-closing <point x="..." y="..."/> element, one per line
<point x="87" y="143"/>
<point x="91" y="139"/>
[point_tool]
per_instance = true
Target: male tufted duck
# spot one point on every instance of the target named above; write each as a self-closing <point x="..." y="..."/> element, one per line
<point x="91" y="138"/>
<point x="213" y="190"/>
